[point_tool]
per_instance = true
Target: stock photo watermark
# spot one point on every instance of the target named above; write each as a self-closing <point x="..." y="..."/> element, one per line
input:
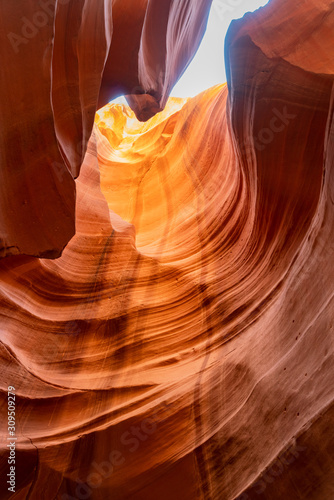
<point x="31" y="27"/>
<point x="131" y="441"/>
<point x="278" y="122"/>
<point x="222" y="7"/>
<point x="11" y="481"/>
<point x="282" y="462"/>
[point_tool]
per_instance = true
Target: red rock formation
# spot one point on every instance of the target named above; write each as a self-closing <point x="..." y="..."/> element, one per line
<point x="60" y="58"/>
<point x="182" y="345"/>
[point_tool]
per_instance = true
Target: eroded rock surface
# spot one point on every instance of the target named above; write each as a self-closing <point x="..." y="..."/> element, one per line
<point x="182" y="345"/>
<point x="61" y="60"/>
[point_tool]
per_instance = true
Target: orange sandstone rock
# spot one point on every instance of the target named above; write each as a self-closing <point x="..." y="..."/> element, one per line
<point x="60" y="58"/>
<point x="182" y="345"/>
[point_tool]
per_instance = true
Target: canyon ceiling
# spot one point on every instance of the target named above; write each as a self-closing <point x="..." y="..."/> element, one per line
<point x="166" y="269"/>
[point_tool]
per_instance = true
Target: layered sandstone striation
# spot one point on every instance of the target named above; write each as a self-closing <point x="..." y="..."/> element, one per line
<point x="62" y="59"/>
<point x="182" y="345"/>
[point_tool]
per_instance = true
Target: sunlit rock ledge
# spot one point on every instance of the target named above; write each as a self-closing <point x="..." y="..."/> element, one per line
<point x="182" y="345"/>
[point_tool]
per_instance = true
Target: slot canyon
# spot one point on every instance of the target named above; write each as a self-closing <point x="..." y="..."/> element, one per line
<point x="167" y="277"/>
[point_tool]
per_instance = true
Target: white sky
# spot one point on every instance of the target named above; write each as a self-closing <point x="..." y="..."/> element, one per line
<point x="207" y="68"/>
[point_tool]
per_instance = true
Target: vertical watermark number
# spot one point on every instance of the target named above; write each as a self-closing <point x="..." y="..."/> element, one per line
<point x="11" y="438"/>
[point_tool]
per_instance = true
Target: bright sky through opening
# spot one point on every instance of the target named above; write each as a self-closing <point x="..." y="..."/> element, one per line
<point x="207" y="68"/>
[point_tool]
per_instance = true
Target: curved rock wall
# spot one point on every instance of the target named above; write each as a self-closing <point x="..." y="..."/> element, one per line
<point x="182" y="345"/>
<point x="61" y="60"/>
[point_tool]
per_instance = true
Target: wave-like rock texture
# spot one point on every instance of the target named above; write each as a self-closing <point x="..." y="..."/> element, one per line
<point x="182" y="345"/>
<point x="61" y="60"/>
